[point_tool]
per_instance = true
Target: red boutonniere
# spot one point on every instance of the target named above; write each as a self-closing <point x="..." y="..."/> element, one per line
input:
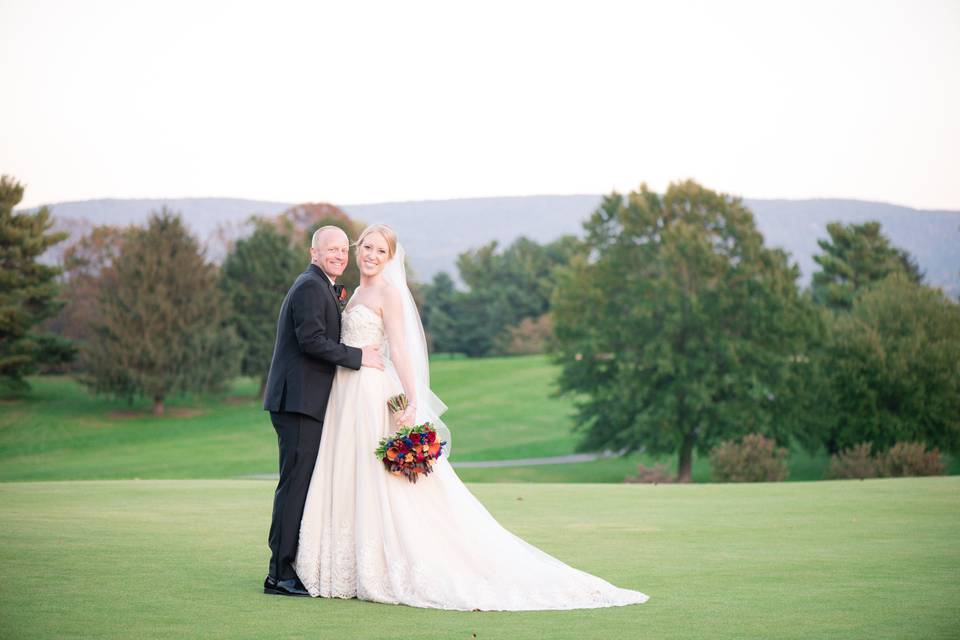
<point x="341" y="292"/>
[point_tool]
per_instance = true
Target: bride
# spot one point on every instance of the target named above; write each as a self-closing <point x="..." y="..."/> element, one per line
<point x="370" y="535"/>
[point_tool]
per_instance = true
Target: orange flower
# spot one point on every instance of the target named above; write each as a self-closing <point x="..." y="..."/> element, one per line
<point x="434" y="449"/>
<point x="392" y="453"/>
<point x="408" y="457"/>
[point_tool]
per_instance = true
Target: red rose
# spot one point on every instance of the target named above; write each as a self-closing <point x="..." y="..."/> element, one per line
<point x="420" y="457"/>
<point x="431" y="436"/>
<point x="402" y="446"/>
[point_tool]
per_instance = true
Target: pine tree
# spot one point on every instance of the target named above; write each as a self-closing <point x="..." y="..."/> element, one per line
<point x="439" y="311"/>
<point x="28" y="290"/>
<point x="857" y="255"/>
<point x="255" y="277"/>
<point x="161" y="324"/>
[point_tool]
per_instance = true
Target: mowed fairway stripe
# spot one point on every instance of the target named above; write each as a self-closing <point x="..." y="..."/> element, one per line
<point x="186" y="558"/>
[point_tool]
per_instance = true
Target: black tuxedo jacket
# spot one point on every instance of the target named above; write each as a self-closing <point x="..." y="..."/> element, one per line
<point x="308" y="350"/>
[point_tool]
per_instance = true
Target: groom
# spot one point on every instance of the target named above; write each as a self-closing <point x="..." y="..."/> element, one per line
<point x="305" y="358"/>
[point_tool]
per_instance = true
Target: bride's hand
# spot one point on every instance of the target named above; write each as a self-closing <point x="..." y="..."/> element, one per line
<point x="406" y="417"/>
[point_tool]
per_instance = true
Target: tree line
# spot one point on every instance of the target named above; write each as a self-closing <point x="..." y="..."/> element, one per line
<point x="678" y="329"/>
<point x="675" y="327"/>
<point x="139" y="311"/>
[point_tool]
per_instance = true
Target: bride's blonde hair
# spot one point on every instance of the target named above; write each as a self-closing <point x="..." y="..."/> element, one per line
<point x="388" y="234"/>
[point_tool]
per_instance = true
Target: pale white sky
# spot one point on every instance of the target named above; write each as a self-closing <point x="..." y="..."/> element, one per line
<point x="354" y="102"/>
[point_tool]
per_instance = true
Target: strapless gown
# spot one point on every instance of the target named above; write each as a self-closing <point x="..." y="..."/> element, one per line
<point x="370" y="535"/>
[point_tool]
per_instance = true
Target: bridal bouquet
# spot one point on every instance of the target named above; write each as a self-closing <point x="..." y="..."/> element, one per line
<point x="411" y="451"/>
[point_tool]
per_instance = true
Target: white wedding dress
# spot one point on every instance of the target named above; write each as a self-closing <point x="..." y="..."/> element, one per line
<point x="371" y="535"/>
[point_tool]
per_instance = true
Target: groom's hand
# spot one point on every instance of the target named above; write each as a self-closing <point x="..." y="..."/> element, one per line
<point x="371" y="357"/>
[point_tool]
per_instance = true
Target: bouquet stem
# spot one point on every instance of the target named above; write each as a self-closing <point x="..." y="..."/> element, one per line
<point x="398" y="402"/>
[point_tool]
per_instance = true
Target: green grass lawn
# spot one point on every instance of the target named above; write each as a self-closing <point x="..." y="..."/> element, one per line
<point x="802" y="467"/>
<point x="500" y="408"/>
<point x="185" y="559"/>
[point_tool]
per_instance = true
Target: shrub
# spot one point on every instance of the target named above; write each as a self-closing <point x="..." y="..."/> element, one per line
<point x="656" y="474"/>
<point x="911" y="459"/>
<point x="532" y="335"/>
<point x="753" y="459"/>
<point x="901" y="460"/>
<point x="855" y="462"/>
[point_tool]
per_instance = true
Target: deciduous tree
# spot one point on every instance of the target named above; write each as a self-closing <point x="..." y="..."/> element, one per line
<point x="504" y="287"/>
<point x="299" y="222"/>
<point x="677" y="328"/>
<point x="893" y="369"/>
<point x="86" y="265"/>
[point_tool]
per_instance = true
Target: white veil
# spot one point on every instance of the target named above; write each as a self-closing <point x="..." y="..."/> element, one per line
<point x="429" y="406"/>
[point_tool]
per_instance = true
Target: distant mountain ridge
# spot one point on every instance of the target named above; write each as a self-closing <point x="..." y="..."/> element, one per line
<point x="434" y="232"/>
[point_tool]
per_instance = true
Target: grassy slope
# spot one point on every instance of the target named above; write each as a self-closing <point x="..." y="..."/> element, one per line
<point x="504" y="408"/>
<point x="499" y="409"/>
<point x="175" y="559"/>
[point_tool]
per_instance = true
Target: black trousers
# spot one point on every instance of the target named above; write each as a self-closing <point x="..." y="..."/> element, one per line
<point x="299" y="438"/>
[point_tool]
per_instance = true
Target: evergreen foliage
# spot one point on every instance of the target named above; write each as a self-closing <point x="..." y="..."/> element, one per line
<point x="855" y="256"/>
<point x="28" y="290"/>
<point x="677" y="328"/>
<point x="255" y="277"/>
<point x="161" y="323"/>
<point x="440" y="314"/>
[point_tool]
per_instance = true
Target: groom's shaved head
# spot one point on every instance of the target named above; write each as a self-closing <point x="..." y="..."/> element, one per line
<point x="330" y="250"/>
<point x="322" y="235"/>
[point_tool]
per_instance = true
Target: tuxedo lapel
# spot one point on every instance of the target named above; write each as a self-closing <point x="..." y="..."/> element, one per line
<point x="336" y="302"/>
<point x="326" y="281"/>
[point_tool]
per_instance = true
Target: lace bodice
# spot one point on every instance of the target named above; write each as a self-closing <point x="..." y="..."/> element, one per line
<point x="362" y="326"/>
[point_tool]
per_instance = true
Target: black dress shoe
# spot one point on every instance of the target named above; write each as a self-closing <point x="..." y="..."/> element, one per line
<point x="291" y="587"/>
